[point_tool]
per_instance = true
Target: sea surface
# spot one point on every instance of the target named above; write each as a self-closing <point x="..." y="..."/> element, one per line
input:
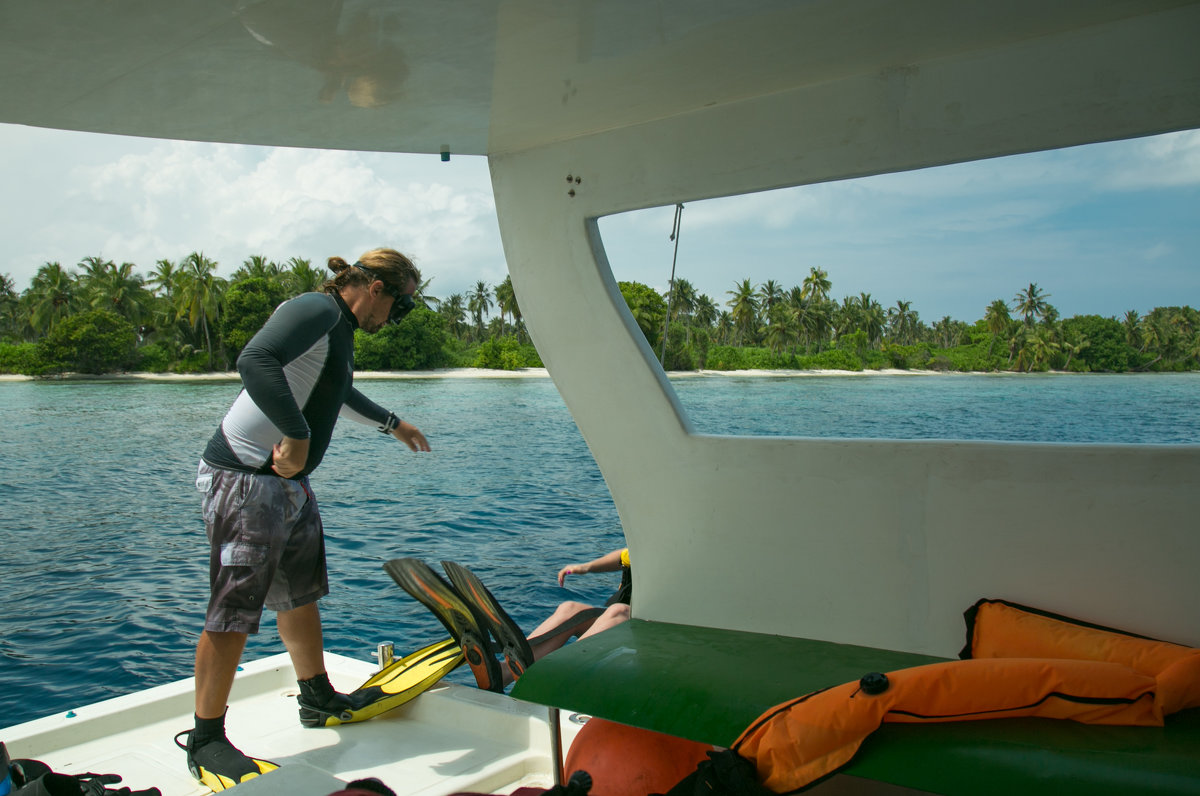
<point x="103" y="580"/>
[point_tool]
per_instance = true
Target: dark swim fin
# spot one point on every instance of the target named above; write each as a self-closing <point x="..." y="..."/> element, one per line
<point x="392" y="686"/>
<point x="55" y="784"/>
<point x="517" y="653"/>
<point x="466" y="626"/>
<point x="219" y="764"/>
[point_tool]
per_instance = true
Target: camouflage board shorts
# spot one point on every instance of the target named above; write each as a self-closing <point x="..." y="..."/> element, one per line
<point x="266" y="546"/>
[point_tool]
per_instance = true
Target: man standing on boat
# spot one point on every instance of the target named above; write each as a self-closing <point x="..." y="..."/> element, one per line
<point x="264" y="528"/>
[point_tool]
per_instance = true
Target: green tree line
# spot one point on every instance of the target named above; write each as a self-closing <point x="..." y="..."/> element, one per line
<point x="99" y="317"/>
<point x="768" y="326"/>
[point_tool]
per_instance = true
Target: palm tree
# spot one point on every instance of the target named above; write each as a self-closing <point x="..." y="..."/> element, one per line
<point x="846" y="316"/>
<point x="947" y="332"/>
<point x="8" y="306"/>
<point x="1044" y="346"/>
<point x="800" y="309"/>
<point x="1132" y="324"/>
<point x="163" y="279"/>
<point x="454" y="310"/>
<point x="1073" y="348"/>
<point x="743" y="308"/>
<point x="52" y="297"/>
<point x="816" y="319"/>
<point x="769" y="293"/>
<point x="256" y="265"/>
<point x="506" y="301"/>
<point x="426" y="299"/>
<point x="512" y="306"/>
<point x="1193" y="350"/>
<point x="514" y="309"/>
<point x="1151" y="334"/>
<point x="1031" y="303"/>
<point x="301" y="277"/>
<point x="782" y="330"/>
<point x="817" y="285"/>
<point x="681" y="302"/>
<point x="902" y="322"/>
<point x="119" y="289"/>
<point x="997" y="320"/>
<point x="479" y="303"/>
<point x="682" y="299"/>
<point x="871" y="318"/>
<point x="94" y="268"/>
<point x="164" y="284"/>
<point x="724" y="327"/>
<point x="199" y="296"/>
<point x="706" y="312"/>
<point x="1183" y="323"/>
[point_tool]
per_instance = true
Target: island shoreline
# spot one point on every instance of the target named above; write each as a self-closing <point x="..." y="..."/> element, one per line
<point x="521" y="373"/>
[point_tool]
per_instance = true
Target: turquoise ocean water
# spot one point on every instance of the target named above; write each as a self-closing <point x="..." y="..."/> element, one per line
<point x="104" y="578"/>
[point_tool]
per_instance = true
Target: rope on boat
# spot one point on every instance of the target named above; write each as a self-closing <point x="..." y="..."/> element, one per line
<point x="675" y="230"/>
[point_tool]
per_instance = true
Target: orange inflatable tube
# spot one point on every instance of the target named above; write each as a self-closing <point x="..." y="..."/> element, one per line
<point x="1020" y="661"/>
<point x="798" y="742"/>
<point x="1000" y="629"/>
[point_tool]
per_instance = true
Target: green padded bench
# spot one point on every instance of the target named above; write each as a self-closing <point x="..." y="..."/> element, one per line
<point x="709" y="685"/>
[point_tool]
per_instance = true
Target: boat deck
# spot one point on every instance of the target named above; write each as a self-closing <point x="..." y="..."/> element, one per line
<point x="450" y="739"/>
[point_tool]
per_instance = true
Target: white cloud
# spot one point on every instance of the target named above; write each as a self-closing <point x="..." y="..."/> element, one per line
<point x="165" y="199"/>
<point x="1163" y="161"/>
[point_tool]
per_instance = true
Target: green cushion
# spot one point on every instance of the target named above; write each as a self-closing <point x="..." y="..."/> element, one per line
<point x="709" y="685"/>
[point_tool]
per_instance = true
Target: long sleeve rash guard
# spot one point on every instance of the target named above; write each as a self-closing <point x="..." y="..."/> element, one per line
<point x="297" y="376"/>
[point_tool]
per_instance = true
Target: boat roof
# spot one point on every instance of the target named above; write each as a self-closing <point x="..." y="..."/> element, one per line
<point x="497" y="76"/>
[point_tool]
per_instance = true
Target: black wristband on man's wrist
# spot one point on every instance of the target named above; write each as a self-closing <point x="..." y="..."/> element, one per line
<point x="389" y="424"/>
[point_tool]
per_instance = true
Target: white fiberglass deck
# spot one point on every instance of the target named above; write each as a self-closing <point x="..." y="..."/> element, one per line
<point x="452" y="738"/>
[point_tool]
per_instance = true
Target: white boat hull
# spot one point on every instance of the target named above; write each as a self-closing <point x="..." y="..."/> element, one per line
<point x="451" y="739"/>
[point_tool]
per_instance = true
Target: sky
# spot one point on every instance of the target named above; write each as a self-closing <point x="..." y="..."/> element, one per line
<point x="1101" y="229"/>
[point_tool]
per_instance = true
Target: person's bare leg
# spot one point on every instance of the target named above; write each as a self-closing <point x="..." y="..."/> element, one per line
<point x="300" y="629"/>
<point x="217" y="656"/>
<point x="562" y="613"/>
<point x="613" y="615"/>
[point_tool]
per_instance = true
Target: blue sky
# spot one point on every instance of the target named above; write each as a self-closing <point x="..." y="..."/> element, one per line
<point x="1104" y="228"/>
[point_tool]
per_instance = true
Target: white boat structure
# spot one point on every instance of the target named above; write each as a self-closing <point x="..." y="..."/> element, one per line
<point x="766" y="567"/>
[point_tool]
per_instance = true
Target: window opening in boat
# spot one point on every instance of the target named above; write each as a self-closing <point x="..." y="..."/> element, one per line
<point x="1037" y="297"/>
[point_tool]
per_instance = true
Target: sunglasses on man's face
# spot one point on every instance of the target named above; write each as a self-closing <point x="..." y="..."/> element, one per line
<point x="402" y="303"/>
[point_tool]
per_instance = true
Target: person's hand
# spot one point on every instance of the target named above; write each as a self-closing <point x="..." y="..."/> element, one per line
<point x="289" y="456"/>
<point x="571" y="569"/>
<point x="411" y="436"/>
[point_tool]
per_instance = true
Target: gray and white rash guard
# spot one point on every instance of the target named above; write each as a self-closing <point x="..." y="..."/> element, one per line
<point x="297" y="376"/>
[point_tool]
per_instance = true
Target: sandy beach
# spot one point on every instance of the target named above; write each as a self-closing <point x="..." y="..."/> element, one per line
<point x="463" y="373"/>
<point x="362" y="375"/>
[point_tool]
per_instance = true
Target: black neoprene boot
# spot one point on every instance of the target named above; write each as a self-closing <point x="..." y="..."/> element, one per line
<point x="319" y="701"/>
